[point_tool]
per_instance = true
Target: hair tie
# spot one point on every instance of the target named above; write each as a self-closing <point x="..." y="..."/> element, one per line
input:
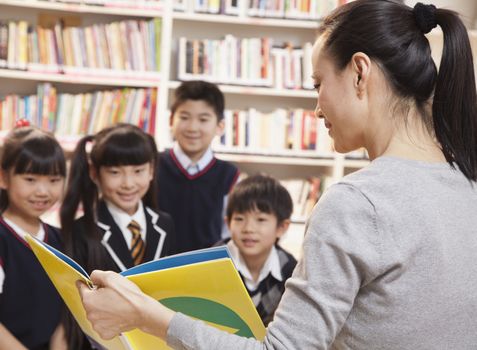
<point x="21" y="123"/>
<point x="425" y="16"/>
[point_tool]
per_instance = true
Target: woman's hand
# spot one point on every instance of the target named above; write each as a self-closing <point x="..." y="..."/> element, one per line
<point x="117" y="305"/>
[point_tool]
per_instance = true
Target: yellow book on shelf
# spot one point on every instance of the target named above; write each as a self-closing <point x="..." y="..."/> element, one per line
<point x="203" y="284"/>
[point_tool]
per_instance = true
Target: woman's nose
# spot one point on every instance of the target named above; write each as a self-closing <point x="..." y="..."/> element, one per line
<point x="318" y="112"/>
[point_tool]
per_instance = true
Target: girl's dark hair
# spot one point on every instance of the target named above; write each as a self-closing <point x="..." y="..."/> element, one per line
<point x="200" y="90"/>
<point x="260" y="192"/>
<point x="390" y="33"/>
<point x="28" y="150"/>
<point x="122" y="144"/>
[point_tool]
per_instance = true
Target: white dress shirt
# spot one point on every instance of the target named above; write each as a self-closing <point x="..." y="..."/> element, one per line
<point x="272" y="265"/>
<point x="123" y="219"/>
<point x="191" y="167"/>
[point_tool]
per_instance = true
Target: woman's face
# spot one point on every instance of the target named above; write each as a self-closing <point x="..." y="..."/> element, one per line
<point x="338" y="101"/>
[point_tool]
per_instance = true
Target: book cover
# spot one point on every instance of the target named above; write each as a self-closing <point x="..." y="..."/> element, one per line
<point x="203" y="284"/>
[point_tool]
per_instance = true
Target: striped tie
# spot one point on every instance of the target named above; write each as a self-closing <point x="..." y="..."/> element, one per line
<point x="138" y="247"/>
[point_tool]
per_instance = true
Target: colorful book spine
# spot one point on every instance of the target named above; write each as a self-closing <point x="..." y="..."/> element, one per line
<point x="124" y="46"/>
<point x="67" y="114"/>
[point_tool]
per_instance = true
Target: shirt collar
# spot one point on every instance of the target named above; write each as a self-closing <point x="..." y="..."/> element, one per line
<point x="122" y="219"/>
<point x="272" y="265"/>
<point x="186" y="162"/>
<point x="22" y="233"/>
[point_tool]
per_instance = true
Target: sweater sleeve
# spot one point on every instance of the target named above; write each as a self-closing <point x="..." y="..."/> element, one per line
<point x="341" y="252"/>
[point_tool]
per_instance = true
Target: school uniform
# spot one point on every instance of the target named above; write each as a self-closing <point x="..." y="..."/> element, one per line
<point x="195" y="195"/>
<point x="267" y="291"/>
<point x="115" y="239"/>
<point x="29" y="303"/>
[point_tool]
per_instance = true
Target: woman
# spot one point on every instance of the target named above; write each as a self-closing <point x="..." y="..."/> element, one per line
<point x="389" y="251"/>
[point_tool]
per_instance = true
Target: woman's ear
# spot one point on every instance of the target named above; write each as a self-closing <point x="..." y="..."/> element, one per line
<point x="361" y="70"/>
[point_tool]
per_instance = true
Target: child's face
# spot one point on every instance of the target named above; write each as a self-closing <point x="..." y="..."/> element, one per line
<point x="194" y="126"/>
<point x="31" y="195"/>
<point x="125" y="185"/>
<point x="255" y="232"/>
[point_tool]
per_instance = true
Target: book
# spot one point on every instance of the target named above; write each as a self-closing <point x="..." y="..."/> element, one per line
<point x="203" y="284"/>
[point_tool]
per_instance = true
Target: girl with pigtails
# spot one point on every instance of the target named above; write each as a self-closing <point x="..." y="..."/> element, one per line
<point x="389" y="251"/>
<point x="114" y="186"/>
<point x="32" y="176"/>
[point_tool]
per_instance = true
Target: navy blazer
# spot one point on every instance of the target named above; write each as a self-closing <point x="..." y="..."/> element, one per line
<point x="113" y="247"/>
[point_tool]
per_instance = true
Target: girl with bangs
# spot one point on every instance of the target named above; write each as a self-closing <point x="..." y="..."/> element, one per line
<point x="115" y="188"/>
<point x="32" y="176"/>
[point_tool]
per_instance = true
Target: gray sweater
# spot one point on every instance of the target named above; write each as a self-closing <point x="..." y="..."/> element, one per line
<point x="389" y="262"/>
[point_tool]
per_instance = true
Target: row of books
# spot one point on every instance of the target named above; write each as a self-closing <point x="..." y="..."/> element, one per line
<point x="128" y="45"/>
<point x="254" y="131"/>
<point x="293" y="9"/>
<point x="80" y="114"/>
<point x="296" y="9"/>
<point x="139" y="4"/>
<point x="292" y="68"/>
<point x="245" y="61"/>
<point x="305" y="193"/>
<point x="225" y="7"/>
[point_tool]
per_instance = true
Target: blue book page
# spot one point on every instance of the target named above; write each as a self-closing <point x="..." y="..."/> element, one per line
<point x="192" y="257"/>
<point x="65" y="258"/>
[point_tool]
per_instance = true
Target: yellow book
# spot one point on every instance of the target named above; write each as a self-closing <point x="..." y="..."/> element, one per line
<point x="203" y="284"/>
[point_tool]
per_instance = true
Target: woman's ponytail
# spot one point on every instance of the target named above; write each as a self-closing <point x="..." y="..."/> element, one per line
<point x="454" y="107"/>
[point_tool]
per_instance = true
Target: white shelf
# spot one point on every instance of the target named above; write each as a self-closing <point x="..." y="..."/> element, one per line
<point x="262" y="91"/>
<point x="356" y="163"/>
<point x="82" y="8"/>
<point x="77" y="79"/>
<point x="297" y="159"/>
<point x="298" y="220"/>
<point x="243" y="20"/>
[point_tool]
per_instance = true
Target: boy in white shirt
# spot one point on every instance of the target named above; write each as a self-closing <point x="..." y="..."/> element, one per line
<point x="258" y="214"/>
<point x="193" y="184"/>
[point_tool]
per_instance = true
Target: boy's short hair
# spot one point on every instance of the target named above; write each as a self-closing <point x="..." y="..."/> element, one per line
<point x="261" y="192"/>
<point x="200" y="90"/>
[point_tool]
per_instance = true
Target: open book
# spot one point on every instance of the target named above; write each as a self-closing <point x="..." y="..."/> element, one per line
<point x="203" y="284"/>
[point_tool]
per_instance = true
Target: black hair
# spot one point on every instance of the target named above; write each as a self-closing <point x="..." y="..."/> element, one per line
<point x="389" y="33"/>
<point x="200" y="90"/>
<point x="119" y="145"/>
<point x="261" y="192"/>
<point x="29" y="150"/>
